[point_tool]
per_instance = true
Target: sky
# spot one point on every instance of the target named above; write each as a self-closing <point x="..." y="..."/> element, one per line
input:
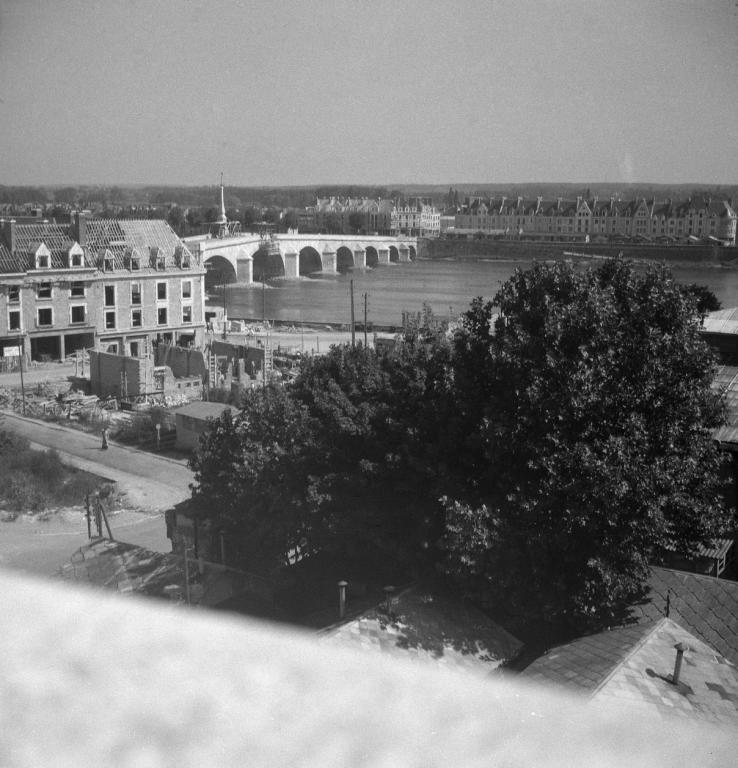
<point x="304" y="92"/>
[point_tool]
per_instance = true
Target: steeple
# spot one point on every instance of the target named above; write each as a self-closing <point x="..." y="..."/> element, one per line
<point x="222" y="218"/>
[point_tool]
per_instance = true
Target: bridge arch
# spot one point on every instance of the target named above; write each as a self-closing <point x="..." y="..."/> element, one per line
<point x="372" y="257"/>
<point x="219" y="270"/>
<point x="344" y="259"/>
<point x="267" y="264"/>
<point x="310" y="260"/>
<point x="394" y="254"/>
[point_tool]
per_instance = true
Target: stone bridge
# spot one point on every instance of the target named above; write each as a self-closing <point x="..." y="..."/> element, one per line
<point x="240" y="258"/>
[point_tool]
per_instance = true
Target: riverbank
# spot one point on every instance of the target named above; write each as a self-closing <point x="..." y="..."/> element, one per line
<point x="518" y="250"/>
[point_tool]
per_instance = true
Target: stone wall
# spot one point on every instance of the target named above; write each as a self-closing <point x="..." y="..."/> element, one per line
<point x="107" y="369"/>
<point x="183" y="362"/>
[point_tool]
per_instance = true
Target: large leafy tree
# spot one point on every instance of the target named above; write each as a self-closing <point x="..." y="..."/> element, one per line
<point x="343" y="461"/>
<point x="584" y="439"/>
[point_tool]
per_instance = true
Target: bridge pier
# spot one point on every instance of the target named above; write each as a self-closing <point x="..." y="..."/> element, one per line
<point x="383" y="256"/>
<point x="359" y="258"/>
<point x="328" y="260"/>
<point x="291" y="264"/>
<point x="404" y="252"/>
<point x="245" y="270"/>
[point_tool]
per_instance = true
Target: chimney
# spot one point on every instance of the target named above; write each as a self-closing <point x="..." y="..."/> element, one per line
<point x="9" y="234"/>
<point x="579" y="200"/>
<point x="80" y="228"/>
<point x="342" y="598"/>
<point x="680" y="648"/>
<point x="520" y="200"/>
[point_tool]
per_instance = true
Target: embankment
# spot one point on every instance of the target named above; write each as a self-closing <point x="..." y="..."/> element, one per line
<point x="520" y="250"/>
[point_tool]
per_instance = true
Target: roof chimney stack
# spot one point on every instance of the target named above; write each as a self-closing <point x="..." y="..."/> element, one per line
<point x="80" y="228"/>
<point x="680" y="648"/>
<point x="8" y="234"/>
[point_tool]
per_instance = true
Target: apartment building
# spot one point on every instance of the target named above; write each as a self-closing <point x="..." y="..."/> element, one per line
<point x="668" y="221"/>
<point x="116" y="285"/>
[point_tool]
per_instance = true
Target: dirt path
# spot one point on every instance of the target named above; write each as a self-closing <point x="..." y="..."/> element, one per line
<point x="149" y="484"/>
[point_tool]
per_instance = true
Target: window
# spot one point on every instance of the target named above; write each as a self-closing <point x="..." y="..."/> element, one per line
<point x="43" y="291"/>
<point x="76" y="260"/>
<point x="135" y="261"/>
<point x="136" y="321"/>
<point x="108" y="262"/>
<point x="78" y="314"/>
<point x="110" y="320"/>
<point x="161" y="315"/>
<point x="187" y="289"/>
<point x="136" y="293"/>
<point x="77" y="289"/>
<point x="14" y="294"/>
<point x="187" y="314"/>
<point x="160" y="264"/>
<point x="42" y="261"/>
<point x="109" y="295"/>
<point x="161" y="291"/>
<point x="45" y="317"/>
<point x="14" y="320"/>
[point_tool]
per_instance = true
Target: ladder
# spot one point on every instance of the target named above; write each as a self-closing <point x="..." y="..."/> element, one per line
<point x="212" y="369"/>
<point x="268" y="359"/>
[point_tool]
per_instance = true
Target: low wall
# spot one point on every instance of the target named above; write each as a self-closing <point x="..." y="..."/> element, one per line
<point x="525" y="250"/>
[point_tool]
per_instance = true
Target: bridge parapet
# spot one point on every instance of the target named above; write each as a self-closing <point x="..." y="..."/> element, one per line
<point x="239" y="251"/>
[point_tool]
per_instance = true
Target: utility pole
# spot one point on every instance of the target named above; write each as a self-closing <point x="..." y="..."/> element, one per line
<point x="20" y="360"/>
<point x="353" y="324"/>
<point x="224" y="306"/>
<point x="263" y="299"/>
<point x="365" y="339"/>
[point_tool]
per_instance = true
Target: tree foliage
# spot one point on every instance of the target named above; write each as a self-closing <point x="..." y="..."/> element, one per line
<point x="543" y="455"/>
<point x="588" y="417"/>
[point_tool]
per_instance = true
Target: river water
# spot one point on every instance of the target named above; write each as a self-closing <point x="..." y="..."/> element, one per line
<point x="447" y="285"/>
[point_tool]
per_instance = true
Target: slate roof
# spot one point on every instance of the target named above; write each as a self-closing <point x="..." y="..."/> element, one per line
<point x="633" y="667"/>
<point x="705" y="606"/>
<point x="431" y="629"/>
<point x="121" y="236"/>
<point x="118" y="236"/>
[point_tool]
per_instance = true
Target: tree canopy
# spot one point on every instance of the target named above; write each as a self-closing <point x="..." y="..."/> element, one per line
<point x="588" y="417"/>
<point x="541" y="455"/>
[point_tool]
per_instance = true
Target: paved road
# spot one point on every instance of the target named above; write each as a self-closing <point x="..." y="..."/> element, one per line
<point x="151" y="483"/>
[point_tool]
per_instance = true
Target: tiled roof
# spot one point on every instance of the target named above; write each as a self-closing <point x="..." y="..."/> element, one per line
<point x="429" y="628"/>
<point x="120" y="236"/>
<point x="633" y="667"/>
<point x="704" y="605"/>
<point x="584" y="664"/>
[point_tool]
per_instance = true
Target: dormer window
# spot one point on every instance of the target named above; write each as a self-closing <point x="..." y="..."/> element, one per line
<point x="76" y="257"/>
<point x="156" y="258"/>
<point x="106" y="260"/>
<point x="182" y="256"/>
<point x="42" y="257"/>
<point x="133" y="260"/>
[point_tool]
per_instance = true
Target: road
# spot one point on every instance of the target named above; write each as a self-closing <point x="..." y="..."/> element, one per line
<point x="150" y="483"/>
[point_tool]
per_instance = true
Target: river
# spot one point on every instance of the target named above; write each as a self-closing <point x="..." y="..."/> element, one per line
<point x="447" y="285"/>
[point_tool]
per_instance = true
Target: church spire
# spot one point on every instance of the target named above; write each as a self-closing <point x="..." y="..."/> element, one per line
<point x="222" y="218"/>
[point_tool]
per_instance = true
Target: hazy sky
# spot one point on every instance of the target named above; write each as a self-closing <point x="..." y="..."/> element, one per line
<point x="368" y="92"/>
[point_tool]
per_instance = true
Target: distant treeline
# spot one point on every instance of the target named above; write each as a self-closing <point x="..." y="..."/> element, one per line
<point x="298" y="197"/>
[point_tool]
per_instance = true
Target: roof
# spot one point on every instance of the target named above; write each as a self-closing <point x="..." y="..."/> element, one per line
<point x="202" y="410"/>
<point x="121" y="236"/>
<point x="633" y="666"/>
<point x="721" y="321"/>
<point x="430" y="629"/>
<point x="704" y="605"/>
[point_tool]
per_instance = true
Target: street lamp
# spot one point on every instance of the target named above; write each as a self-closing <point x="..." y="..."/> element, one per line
<point x="223" y="278"/>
